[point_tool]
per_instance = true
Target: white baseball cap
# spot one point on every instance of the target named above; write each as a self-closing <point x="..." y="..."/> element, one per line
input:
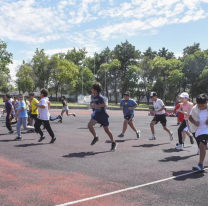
<point x="184" y="95"/>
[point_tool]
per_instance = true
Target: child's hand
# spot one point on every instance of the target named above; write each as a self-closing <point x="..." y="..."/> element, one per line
<point x="122" y="107"/>
<point x="94" y="106"/>
<point x="197" y="124"/>
<point x="178" y="110"/>
<point x="130" y="108"/>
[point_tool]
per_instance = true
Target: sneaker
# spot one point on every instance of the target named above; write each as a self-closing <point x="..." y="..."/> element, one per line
<point x="171" y="136"/>
<point x="178" y="144"/>
<point x="121" y="135"/>
<point x="18" y="138"/>
<point x="41" y="138"/>
<point x="94" y="140"/>
<point x="179" y="147"/>
<point x="74" y="114"/>
<point x="31" y="131"/>
<point x="138" y="134"/>
<point x="152" y="138"/>
<point x="10" y="132"/>
<point x="191" y="140"/>
<point x="52" y="140"/>
<point x="60" y="117"/>
<point x="60" y="121"/>
<point x="114" y="146"/>
<point x="198" y="152"/>
<point x="198" y="168"/>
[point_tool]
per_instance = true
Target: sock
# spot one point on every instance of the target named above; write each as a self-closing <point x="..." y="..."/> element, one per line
<point x="200" y="165"/>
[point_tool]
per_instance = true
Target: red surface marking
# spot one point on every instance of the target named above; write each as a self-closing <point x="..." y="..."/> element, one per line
<point x="21" y="185"/>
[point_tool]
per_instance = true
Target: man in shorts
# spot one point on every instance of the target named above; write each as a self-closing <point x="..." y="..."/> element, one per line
<point x="128" y="105"/>
<point x="160" y="116"/>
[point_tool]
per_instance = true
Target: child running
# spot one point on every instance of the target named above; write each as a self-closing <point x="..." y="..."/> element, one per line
<point x="199" y="117"/>
<point x="160" y="116"/>
<point x="22" y="117"/>
<point x="43" y="107"/>
<point x="128" y="105"/>
<point x="100" y="115"/>
<point x="65" y="108"/>
<point x="185" y="108"/>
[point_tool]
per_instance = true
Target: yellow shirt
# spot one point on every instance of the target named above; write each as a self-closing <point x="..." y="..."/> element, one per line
<point x="34" y="101"/>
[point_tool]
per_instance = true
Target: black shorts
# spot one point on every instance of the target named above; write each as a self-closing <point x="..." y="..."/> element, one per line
<point x="202" y="138"/>
<point x="129" y="117"/>
<point x="34" y="116"/>
<point x="160" y="118"/>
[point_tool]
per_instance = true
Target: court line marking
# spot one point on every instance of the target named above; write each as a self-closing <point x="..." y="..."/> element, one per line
<point x="127" y="189"/>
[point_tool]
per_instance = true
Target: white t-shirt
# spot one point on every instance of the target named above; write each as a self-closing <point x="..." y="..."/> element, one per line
<point x="44" y="112"/>
<point x="158" y="104"/>
<point x="202" y="128"/>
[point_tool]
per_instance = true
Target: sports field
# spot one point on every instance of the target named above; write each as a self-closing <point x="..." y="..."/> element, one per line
<point x="72" y="172"/>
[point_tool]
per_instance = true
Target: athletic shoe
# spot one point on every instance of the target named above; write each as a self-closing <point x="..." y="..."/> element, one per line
<point x="74" y="114"/>
<point x="60" y="117"/>
<point x="191" y="139"/>
<point x="179" y="147"/>
<point x="60" y="121"/>
<point x="114" y="146"/>
<point x="138" y="134"/>
<point x="152" y="138"/>
<point x="198" y="168"/>
<point x="121" y="135"/>
<point x="178" y="144"/>
<point x="171" y="136"/>
<point x="31" y="131"/>
<point x="94" y="140"/>
<point x="198" y="152"/>
<point x="41" y="138"/>
<point x="18" y="138"/>
<point x="10" y="132"/>
<point x="52" y="140"/>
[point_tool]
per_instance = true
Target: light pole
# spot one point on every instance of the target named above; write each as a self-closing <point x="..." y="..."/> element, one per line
<point x="82" y="80"/>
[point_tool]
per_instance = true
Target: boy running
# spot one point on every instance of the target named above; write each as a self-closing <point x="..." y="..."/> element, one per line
<point x="43" y="107"/>
<point x="22" y="117"/>
<point x="160" y="116"/>
<point x="128" y="105"/>
<point x="100" y="115"/>
<point x="199" y="117"/>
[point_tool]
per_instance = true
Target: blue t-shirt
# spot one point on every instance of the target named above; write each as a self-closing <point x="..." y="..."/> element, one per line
<point x="22" y="105"/>
<point x="99" y="99"/>
<point x="8" y="106"/>
<point x="126" y="104"/>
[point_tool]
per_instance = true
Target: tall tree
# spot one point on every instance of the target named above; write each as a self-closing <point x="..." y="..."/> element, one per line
<point x="191" y="49"/>
<point x="150" y="53"/>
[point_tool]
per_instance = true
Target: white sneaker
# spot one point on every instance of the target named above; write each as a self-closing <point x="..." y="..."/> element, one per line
<point x="198" y="152"/>
<point x="179" y="147"/>
<point x="171" y="136"/>
<point x="152" y="138"/>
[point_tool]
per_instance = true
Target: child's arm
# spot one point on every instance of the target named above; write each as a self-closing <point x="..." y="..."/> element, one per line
<point x="193" y="121"/>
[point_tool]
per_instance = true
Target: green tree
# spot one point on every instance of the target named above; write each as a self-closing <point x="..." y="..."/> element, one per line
<point x="203" y="81"/>
<point x="191" y="49"/>
<point x="150" y="53"/>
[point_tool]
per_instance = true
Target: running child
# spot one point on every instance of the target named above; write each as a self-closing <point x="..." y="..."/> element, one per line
<point x="160" y="116"/>
<point x="199" y="117"/>
<point x="185" y="108"/>
<point x="43" y="106"/>
<point x="100" y="115"/>
<point x="128" y="105"/>
<point x="22" y="117"/>
<point x="65" y="108"/>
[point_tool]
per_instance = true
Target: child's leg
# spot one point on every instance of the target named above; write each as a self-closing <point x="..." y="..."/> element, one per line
<point x="152" y="124"/>
<point x="19" y="122"/>
<point x="125" y="124"/>
<point x="48" y="128"/>
<point x="180" y="130"/>
<point x="91" y="123"/>
<point x="184" y="136"/>
<point x="131" y="124"/>
<point x="37" y="125"/>
<point x="24" y="122"/>
<point x="62" y="112"/>
<point x="203" y="149"/>
<point x="109" y="133"/>
<point x="166" y="129"/>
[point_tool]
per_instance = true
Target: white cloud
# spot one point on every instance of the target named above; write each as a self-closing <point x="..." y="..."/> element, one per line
<point x="13" y="68"/>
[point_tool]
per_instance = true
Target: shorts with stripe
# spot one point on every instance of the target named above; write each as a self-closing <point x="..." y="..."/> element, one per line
<point x="129" y="117"/>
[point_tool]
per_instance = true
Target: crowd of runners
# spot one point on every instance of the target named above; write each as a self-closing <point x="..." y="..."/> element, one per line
<point x="34" y="113"/>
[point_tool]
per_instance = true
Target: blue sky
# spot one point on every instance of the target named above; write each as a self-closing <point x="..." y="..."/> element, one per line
<point x="58" y="26"/>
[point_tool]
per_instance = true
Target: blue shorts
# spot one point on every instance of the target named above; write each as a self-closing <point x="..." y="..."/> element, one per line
<point x="101" y="119"/>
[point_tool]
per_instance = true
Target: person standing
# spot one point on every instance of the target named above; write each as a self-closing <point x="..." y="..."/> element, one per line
<point x="128" y="105"/>
<point x="44" y="116"/>
<point x="9" y="110"/>
<point x="160" y="116"/>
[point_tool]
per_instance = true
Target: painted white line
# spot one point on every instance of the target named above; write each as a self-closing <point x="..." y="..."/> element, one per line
<point x="127" y="189"/>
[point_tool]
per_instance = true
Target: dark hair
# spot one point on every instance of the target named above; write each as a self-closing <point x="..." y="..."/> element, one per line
<point x="31" y="94"/>
<point x="97" y="86"/>
<point x="14" y="96"/>
<point x="63" y="97"/>
<point x="44" y="92"/>
<point x="201" y="99"/>
<point x="8" y="96"/>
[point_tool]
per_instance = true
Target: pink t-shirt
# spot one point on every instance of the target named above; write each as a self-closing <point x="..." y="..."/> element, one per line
<point x="186" y="108"/>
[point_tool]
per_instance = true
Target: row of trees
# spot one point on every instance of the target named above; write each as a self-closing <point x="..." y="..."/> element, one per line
<point x="123" y="68"/>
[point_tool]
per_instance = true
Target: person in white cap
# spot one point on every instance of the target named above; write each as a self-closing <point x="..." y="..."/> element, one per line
<point x="160" y="116"/>
<point x="185" y="108"/>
